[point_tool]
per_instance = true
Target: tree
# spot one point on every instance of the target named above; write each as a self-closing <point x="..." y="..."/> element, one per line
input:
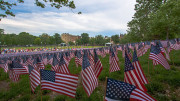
<point x="85" y="38"/>
<point x="37" y="41"/>
<point x="25" y="38"/>
<point x="99" y="40"/>
<point x="92" y="41"/>
<point x="115" y="38"/>
<point x="57" y="38"/>
<point x="44" y="38"/>
<point x="71" y="43"/>
<point x="6" y="6"/>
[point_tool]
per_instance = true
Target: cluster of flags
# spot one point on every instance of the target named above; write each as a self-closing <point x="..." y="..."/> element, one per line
<point x="59" y="78"/>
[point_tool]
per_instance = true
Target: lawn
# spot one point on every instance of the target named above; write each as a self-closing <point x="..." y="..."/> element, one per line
<point x="164" y="85"/>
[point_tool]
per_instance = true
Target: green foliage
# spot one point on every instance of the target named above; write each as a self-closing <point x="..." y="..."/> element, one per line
<point x="85" y="38"/>
<point x="154" y="19"/>
<point x="57" y="38"/>
<point x="71" y="43"/>
<point x="37" y="41"/>
<point x="6" y="6"/>
<point x="115" y="38"/>
<point x="99" y="40"/>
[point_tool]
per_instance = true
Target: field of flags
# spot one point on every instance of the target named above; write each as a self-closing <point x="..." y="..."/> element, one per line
<point x="60" y="79"/>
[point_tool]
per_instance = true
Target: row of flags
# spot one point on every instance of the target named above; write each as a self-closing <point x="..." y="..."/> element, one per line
<point x="59" y="78"/>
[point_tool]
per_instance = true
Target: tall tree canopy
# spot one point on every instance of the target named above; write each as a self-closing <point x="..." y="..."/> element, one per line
<point x="85" y="38"/>
<point x="115" y="38"/>
<point x="155" y="19"/>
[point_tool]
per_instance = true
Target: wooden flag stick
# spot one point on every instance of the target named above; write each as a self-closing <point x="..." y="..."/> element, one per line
<point x="105" y="88"/>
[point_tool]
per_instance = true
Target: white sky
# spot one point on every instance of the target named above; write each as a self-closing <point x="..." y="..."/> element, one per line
<point x="105" y="17"/>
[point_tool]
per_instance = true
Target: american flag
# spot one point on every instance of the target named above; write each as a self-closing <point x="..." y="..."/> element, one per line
<point x="50" y="59"/>
<point x="63" y="68"/>
<point x="121" y="91"/>
<point x="131" y="76"/>
<point x="18" y="68"/>
<point x="14" y="77"/>
<point x="141" y="50"/>
<point x="113" y="62"/>
<point x="155" y="54"/>
<point x="44" y="59"/>
<point x="97" y="64"/>
<point x="55" y="63"/>
<point x="138" y="68"/>
<point x="78" y="58"/>
<point x="128" y="52"/>
<point x="40" y="64"/>
<point x="158" y="43"/>
<point x="174" y="44"/>
<point x="4" y="65"/>
<point x="61" y="83"/>
<point x="34" y="77"/>
<point x="91" y="59"/>
<point x="89" y="79"/>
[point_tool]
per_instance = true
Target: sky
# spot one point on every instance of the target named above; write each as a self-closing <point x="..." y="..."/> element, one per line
<point x="105" y="17"/>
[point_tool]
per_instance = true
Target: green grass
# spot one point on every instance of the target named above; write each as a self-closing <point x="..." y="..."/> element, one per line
<point x="164" y="85"/>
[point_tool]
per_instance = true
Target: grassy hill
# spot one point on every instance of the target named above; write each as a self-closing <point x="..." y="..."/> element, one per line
<point x="164" y="85"/>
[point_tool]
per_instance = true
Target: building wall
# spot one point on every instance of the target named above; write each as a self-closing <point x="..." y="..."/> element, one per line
<point x="66" y="37"/>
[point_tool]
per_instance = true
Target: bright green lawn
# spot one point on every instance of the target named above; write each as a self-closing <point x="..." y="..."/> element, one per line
<point x="164" y="85"/>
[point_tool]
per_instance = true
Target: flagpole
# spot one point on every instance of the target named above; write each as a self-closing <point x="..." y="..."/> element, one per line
<point x="105" y="88"/>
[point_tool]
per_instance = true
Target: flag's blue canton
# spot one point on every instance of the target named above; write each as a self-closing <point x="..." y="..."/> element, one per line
<point x="135" y="56"/>
<point x="140" y="46"/>
<point x="79" y="55"/>
<point x="128" y="50"/>
<point x="132" y="44"/>
<point x="49" y="56"/>
<point x="95" y="56"/>
<point x="48" y="75"/>
<point x="128" y="64"/>
<point x="44" y="56"/>
<point x="61" y="60"/>
<point x="158" y="43"/>
<point x="155" y="49"/>
<point x="23" y="58"/>
<point x="67" y="54"/>
<point x="55" y="60"/>
<point x="122" y="47"/>
<point x="38" y="59"/>
<point x="85" y="62"/>
<point x="16" y="64"/>
<point x="172" y="41"/>
<point x="30" y="68"/>
<point x="118" y="90"/>
<point x="112" y="52"/>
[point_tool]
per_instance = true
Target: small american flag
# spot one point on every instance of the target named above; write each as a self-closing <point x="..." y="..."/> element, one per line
<point x="89" y="79"/>
<point x="138" y="68"/>
<point x="40" y="64"/>
<point x="34" y="76"/>
<point x="78" y="58"/>
<point x="4" y="65"/>
<point x="97" y="64"/>
<point x="128" y="52"/>
<point x="141" y="50"/>
<point x="131" y="76"/>
<point x="121" y="91"/>
<point x="18" y="68"/>
<point x="113" y="62"/>
<point x="63" y="68"/>
<point x="61" y="83"/>
<point x="14" y="77"/>
<point x="155" y="54"/>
